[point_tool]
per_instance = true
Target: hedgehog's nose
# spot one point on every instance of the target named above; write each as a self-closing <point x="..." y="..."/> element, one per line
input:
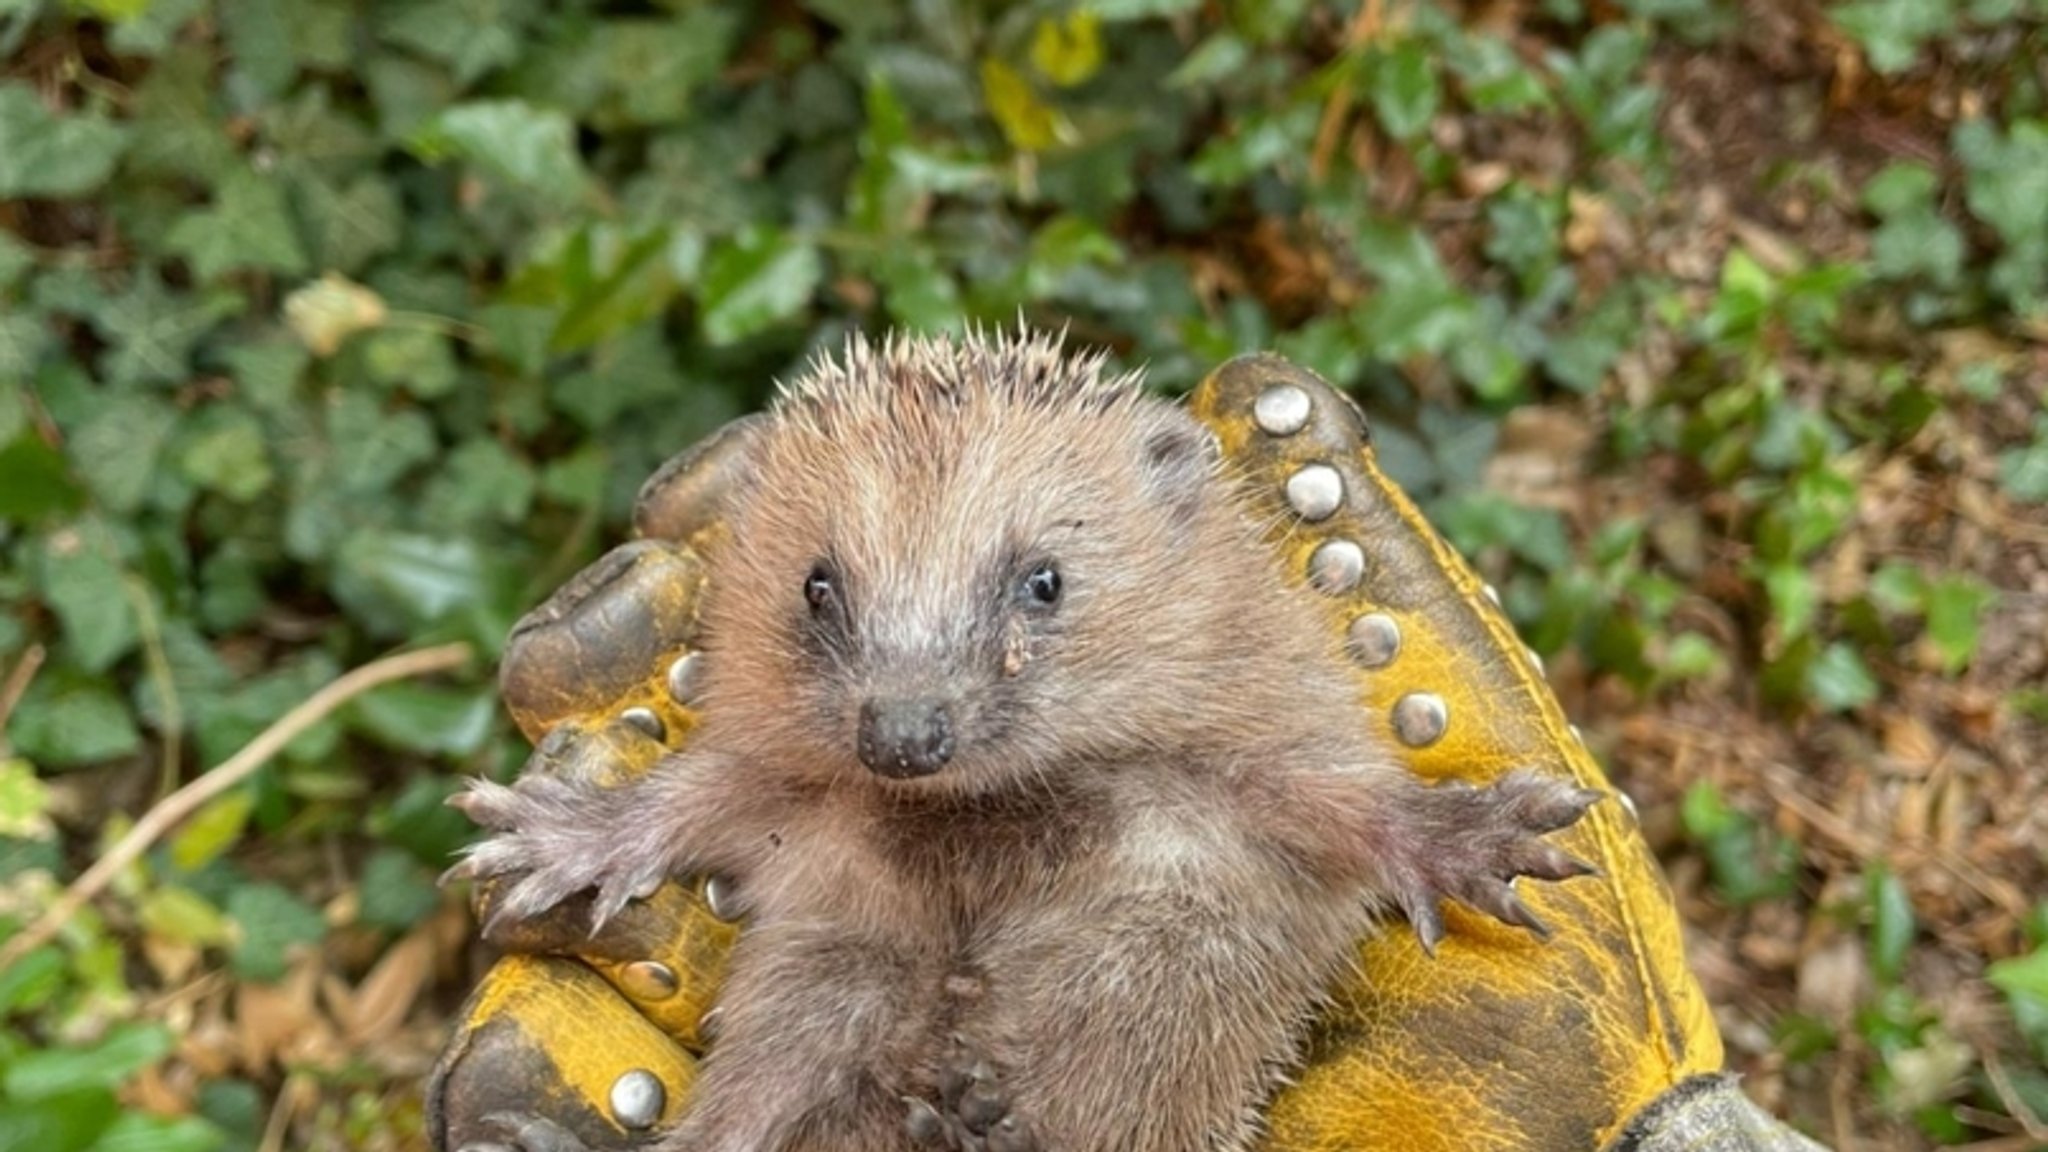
<point x="904" y="738"/>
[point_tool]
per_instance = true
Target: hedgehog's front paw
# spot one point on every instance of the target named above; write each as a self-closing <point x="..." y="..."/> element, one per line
<point x="1484" y="838"/>
<point x="554" y="838"/>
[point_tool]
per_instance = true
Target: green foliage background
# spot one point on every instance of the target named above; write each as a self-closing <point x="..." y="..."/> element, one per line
<point x="334" y="326"/>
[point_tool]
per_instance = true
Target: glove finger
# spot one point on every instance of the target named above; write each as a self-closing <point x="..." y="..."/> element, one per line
<point x="686" y="496"/>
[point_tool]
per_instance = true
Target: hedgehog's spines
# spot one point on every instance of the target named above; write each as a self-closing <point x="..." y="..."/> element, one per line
<point x="1014" y="367"/>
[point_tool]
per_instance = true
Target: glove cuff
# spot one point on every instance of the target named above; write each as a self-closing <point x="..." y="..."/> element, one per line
<point x="1707" y="1114"/>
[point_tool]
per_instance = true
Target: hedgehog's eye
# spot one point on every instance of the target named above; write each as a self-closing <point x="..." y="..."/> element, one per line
<point x="819" y="588"/>
<point x="1043" y="584"/>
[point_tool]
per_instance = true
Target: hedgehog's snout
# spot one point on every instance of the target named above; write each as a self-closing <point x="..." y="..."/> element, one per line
<point x="905" y="737"/>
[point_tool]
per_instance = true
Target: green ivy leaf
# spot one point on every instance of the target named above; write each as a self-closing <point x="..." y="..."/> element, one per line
<point x="1124" y="11"/>
<point x="115" y="451"/>
<point x="415" y="359"/>
<point x="1523" y="228"/>
<point x="24" y="804"/>
<point x="126" y="1050"/>
<point x="32" y="981"/>
<point x="1919" y="244"/>
<point x="48" y="154"/>
<point x="311" y="137"/>
<point x="919" y="294"/>
<point x="482" y="483"/>
<point x="1749" y="861"/>
<point x="1478" y="520"/>
<point x="234" y="712"/>
<point x="2022" y="975"/>
<point x="353" y="225"/>
<point x="34" y="485"/>
<point x="2006" y="185"/>
<point x="610" y="280"/>
<point x="13" y="414"/>
<point x="397" y="893"/>
<point x="373" y="447"/>
<point x="1492" y="77"/>
<point x="1838" y="680"/>
<point x="2024" y="470"/>
<point x="1215" y="59"/>
<point x="16" y="258"/>
<point x="1892" y="926"/>
<point x="1898" y="588"/>
<point x="1404" y="89"/>
<point x="68" y="1122"/>
<point x="153" y="329"/>
<point x="272" y="921"/>
<point x="143" y="1132"/>
<point x="426" y="719"/>
<point x="346" y="482"/>
<point x="24" y="340"/>
<point x="151" y="26"/>
<point x="66" y="719"/>
<point x="527" y="149"/>
<point x="1692" y="656"/>
<point x="1067" y="50"/>
<point x="225" y="453"/>
<point x="1901" y="187"/>
<point x="1794" y="597"/>
<point x="634" y="369"/>
<point x="1261" y="143"/>
<point x="259" y="37"/>
<point x="518" y="335"/>
<point x="1892" y="31"/>
<point x="267" y="372"/>
<point x="173" y="912"/>
<point x="426" y="577"/>
<point x="406" y="93"/>
<point x="82" y="582"/>
<point x="420" y="821"/>
<point x="1027" y="121"/>
<point x="761" y="278"/>
<point x="1955" y="611"/>
<point x="212" y="830"/>
<point x="473" y="37"/>
<point x="249" y="226"/>
<point x="652" y="68"/>
<point x="270" y="40"/>
<point x="177" y="129"/>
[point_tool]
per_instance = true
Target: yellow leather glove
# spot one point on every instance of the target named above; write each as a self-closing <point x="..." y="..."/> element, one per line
<point x="1502" y="1041"/>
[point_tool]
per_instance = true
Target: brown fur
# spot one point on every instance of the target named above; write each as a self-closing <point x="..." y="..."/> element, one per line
<point x="1160" y="832"/>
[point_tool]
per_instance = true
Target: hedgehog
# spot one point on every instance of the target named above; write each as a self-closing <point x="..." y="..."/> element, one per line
<point x="1046" y="788"/>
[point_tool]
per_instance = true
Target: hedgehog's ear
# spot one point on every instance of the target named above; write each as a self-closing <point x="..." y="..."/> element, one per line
<point x="1178" y="462"/>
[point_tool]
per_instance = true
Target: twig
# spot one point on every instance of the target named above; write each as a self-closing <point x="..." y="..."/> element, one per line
<point x="17" y="683"/>
<point x="2019" y="1142"/>
<point x="1994" y="1071"/>
<point x="171" y="717"/>
<point x="253" y="755"/>
<point x="1365" y="25"/>
<point x="280" y="1115"/>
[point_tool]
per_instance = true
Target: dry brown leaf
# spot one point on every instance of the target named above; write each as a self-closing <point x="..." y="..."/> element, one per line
<point x="1771" y="249"/>
<point x="1591" y="220"/>
<point x="270" y="1018"/>
<point x="386" y="995"/>
<point x="1911" y="744"/>
<point x="1541" y="457"/>
<point x="1832" y="978"/>
<point x="211" y="1047"/>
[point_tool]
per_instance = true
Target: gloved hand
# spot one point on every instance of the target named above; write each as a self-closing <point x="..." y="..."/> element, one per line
<point x="1598" y="1036"/>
